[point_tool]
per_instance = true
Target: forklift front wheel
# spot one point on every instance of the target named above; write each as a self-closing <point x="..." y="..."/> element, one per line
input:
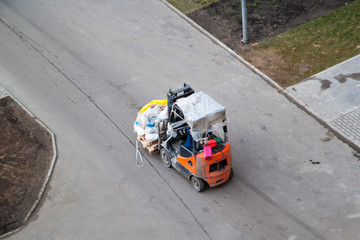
<point x="197" y="183"/>
<point x="165" y="157"/>
<point x="231" y="174"/>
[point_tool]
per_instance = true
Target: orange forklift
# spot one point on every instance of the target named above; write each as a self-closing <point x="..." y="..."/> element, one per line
<point x="193" y="138"/>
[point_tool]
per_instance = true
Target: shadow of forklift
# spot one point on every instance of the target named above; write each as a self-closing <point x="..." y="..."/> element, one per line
<point x="193" y="139"/>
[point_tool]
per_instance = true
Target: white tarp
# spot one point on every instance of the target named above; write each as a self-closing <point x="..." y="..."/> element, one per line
<point x="201" y="111"/>
<point x="147" y="122"/>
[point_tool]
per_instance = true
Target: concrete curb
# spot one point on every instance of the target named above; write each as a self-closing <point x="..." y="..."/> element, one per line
<point x="344" y="62"/>
<point x="271" y="82"/>
<point x="222" y="45"/>
<point x="51" y="168"/>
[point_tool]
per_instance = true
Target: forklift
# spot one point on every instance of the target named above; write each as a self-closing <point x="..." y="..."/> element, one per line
<point x="193" y="138"/>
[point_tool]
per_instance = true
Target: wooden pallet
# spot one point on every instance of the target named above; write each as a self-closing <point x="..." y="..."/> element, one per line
<point x="150" y="146"/>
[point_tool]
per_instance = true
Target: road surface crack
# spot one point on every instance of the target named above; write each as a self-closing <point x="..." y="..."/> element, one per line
<point x="40" y="52"/>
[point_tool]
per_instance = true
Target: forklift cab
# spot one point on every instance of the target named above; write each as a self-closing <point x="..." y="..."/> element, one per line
<point x="194" y="139"/>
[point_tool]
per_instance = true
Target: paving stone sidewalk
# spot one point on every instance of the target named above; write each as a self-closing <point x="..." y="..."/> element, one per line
<point x="334" y="97"/>
<point x="349" y="125"/>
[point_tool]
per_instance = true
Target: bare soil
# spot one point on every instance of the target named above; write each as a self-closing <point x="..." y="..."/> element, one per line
<point x="25" y="156"/>
<point x="266" y="18"/>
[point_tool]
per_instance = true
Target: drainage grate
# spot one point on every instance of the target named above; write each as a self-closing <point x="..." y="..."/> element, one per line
<point x="349" y="125"/>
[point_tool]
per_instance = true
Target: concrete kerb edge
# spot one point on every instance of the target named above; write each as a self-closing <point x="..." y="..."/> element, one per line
<point x="325" y="124"/>
<point x="271" y="82"/>
<point x="51" y="168"/>
<point x="222" y="45"/>
<point x="344" y="62"/>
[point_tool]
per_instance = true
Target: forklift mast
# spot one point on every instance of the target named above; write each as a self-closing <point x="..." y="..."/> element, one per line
<point x="172" y="96"/>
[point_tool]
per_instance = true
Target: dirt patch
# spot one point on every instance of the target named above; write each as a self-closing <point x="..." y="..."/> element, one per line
<point x="25" y="157"/>
<point x="266" y="18"/>
<point x="269" y="62"/>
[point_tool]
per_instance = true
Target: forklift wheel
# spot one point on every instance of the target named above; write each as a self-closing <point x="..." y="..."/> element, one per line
<point x="231" y="174"/>
<point x="165" y="157"/>
<point x="197" y="183"/>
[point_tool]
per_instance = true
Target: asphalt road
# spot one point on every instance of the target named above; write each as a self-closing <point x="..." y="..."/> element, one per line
<point x="86" y="67"/>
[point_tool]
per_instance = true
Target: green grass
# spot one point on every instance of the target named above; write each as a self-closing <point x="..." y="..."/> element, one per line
<point x="189" y="6"/>
<point x="320" y="43"/>
<point x="306" y="49"/>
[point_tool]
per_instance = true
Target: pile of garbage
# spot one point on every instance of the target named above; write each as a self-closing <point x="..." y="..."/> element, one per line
<point x="148" y="118"/>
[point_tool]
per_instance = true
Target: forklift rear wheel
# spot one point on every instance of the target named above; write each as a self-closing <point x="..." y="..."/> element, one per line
<point x="197" y="183"/>
<point x="165" y="157"/>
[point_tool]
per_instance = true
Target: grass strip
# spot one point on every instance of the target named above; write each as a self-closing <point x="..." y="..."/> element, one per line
<point x="189" y="6"/>
<point x="317" y="44"/>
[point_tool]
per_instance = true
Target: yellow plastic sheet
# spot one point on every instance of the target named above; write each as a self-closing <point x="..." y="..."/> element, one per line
<point x="159" y="102"/>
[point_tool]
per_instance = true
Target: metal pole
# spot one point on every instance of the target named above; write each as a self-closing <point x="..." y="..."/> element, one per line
<point x="244" y="21"/>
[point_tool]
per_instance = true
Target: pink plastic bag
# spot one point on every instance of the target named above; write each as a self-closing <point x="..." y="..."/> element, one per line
<point x="207" y="152"/>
